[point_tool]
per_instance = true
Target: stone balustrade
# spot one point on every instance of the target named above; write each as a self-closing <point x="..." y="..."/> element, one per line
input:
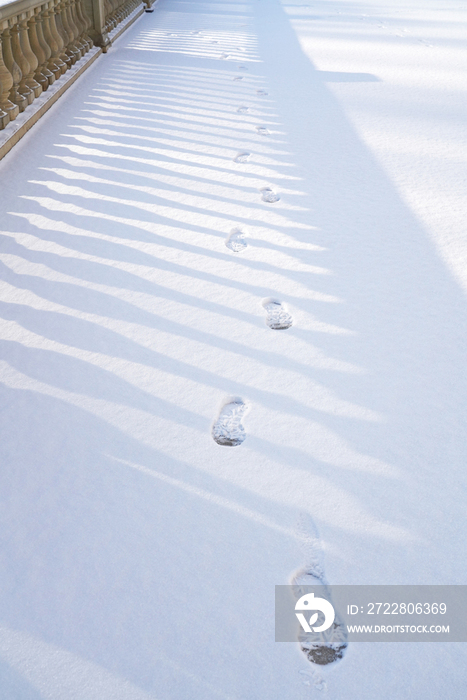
<point x="40" y="42"/>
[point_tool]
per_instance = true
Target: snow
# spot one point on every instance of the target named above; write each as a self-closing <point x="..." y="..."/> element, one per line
<point x="139" y="557"/>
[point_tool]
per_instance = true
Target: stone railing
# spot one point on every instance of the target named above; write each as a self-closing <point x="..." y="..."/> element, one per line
<point x="41" y="42"/>
<point x="118" y="10"/>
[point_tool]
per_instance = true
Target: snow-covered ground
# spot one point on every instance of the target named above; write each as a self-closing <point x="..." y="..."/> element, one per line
<point x="142" y="256"/>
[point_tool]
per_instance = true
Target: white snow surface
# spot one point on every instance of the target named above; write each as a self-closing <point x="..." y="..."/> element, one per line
<point x="139" y="557"/>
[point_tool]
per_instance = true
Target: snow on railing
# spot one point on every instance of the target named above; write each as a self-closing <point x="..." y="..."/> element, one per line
<point x="40" y="42"/>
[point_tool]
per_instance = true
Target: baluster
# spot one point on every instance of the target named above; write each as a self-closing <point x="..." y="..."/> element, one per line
<point x="81" y="27"/>
<point x="40" y="31"/>
<point x="72" y="28"/>
<point x="112" y="19"/>
<point x="55" y="40"/>
<point x="86" y="24"/>
<point x="8" y="110"/>
<point x="15" y="96"/>
<point x="109" y="22"/>
<point x="127" y="8"/>
<point x="54" y="62"/>
<point x="70" y="47"/>
<point x="67" y="55"/>
<point x="115" y="15"/>
<point x="6" y="80"/>
<point x="38" y="52"/>
<point x="29" y="55"/>
<point x="82" y="46"/>
<point x="22" y="62"/>
<point x="118" y="11"/>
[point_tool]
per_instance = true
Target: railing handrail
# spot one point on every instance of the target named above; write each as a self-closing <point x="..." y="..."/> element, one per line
<point x="18" y="7"/>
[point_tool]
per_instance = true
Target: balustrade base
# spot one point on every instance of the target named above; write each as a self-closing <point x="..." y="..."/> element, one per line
<point x="4" y="119"/>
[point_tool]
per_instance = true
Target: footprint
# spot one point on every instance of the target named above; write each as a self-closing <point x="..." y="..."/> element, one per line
<point x="228" y="429"/>
<point x="198" y="32"/>
<point x="238" y="77"/>
<point x="262" y="92"/>
<point x="269" y="196"/>
<point x="321" y="648"/>
<point x="235" y="240"/>
<point x="243" y="109"/>
<point x="224" y="55"/>
<point x="277" y="317"/>
<point x="242" y="157"/>
<point x="214" y="42"/>
<point x="262" y="130"/>
<point x="242" y="68"/>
